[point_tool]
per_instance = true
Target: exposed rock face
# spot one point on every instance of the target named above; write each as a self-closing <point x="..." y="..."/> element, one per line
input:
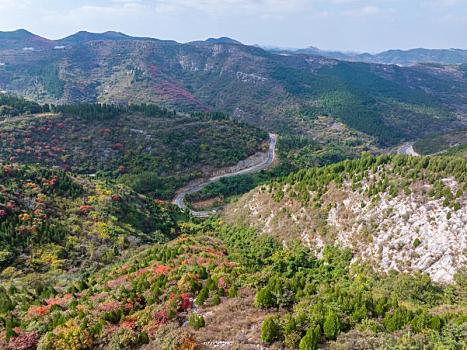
<point x="407" y="232"/>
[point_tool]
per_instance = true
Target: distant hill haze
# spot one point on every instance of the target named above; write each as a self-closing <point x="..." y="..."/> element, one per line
<point x="398" y="57"/>
<point x="282" y="92"/>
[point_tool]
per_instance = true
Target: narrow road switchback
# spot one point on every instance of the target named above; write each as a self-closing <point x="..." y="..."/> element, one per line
<point x="196" y="187"/>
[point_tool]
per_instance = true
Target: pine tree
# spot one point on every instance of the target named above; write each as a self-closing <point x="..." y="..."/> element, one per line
<point x="311" y="340"/>
<point x="270" y="330"/>
<point x="331" y="325"/>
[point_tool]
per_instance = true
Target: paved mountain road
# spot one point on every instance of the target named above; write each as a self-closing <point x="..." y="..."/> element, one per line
<point x="407" y="149"/>
<point x="196" y="187"/>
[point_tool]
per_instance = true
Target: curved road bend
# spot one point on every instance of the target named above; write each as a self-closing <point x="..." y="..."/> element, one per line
<point x="407" y="149"/>
<point x="189" y="189"/>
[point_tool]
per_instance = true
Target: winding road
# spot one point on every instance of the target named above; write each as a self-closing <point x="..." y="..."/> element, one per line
<point x="407" y="149"/>
<point x="193" y="188"/>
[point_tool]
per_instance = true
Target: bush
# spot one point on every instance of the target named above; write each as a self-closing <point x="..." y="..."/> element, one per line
<point x="396" y="320"/>
<point x="216" y="300"/>
<point x="416" y="242"/>
<point x="331" y="325"/>
<point x="196" y="321"/>
<point x="202" y="296"/>
<point x="311" y="340"/>
<point x="265" y="299"/>
<point x="271" y="330"/>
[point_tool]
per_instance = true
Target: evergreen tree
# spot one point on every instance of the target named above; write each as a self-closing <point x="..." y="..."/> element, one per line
<point x="311" y="339"/>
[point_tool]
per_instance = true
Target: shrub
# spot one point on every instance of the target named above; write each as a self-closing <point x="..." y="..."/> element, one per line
<point x="265" y="299"/>
<point x="24" y="341"/>
<point x="331" y="325"/>
<point x="271" y="330"/>
<point x="196" y="321"/>
<point x="216" y="300"/>
<point x="311" y="339"/>
<point x="416" y="242"/>
<point x="396" y="320"/>
<point x="202" y="296"/>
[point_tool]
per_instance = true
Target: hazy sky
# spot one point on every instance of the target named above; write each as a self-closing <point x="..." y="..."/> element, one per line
<point x="362" y="25"/>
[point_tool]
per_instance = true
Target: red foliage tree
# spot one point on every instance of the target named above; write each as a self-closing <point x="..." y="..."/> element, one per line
<point x="35" y="311"/>
<point x="162" y="317"/>
<point x="116" y="198"/>
<point x="85" y="209"/>
<point x="185" y="302"/>
<point x="24" y="341"/>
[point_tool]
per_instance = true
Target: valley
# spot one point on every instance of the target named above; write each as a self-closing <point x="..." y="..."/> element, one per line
<point x="153" y="152"/>
<point x="215" y="195"/>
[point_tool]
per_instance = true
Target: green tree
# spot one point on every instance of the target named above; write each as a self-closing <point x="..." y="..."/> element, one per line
<point x="202" y="296"/>
<point x="271" y="330"/>
<point x="196" y="321"/>
<point x="265" y="298"/>
<point x="331" y="326"/>
<point x="311" y="339"/>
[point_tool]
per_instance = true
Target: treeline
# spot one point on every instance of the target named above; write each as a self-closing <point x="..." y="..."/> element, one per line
<point x="13" y="106"/>
<point x="108" y="111"/>
<point x="388" y="167"/>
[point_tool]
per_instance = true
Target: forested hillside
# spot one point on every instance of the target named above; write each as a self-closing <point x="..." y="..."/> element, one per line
<point x="12" y="106"/>
<point x="398" y="212"/>
<point x="222" y="286"/>
<point x="153" y="150"/>
<point x="442" y="143"/>
<point x="337" y="245"/>
<point x="52" y="222"/>
<point x="283" y="93"/>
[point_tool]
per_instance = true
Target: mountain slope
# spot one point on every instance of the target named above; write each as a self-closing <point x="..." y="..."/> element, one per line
<point x="407" y="214"/>
<point x="53" y="222"/>
<point x="218" y="286"/>
<point x="152" y="149"/>
<point x="281" y="93"/>
<point x="21" y="39"/>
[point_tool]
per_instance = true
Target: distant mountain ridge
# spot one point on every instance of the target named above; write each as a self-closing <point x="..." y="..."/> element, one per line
<point x="398" y="57"/>
<point x="20" y="39"/>
<point x="23" y="39"/>
<point x="223" y="40"/>
<point x="284" y="93"/>
<point x="84" y="36"/>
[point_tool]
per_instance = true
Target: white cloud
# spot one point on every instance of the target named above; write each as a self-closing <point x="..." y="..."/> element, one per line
<point x="227" y="7"/>
<point x="14" y="4"/>
<point x="362" y="11"/>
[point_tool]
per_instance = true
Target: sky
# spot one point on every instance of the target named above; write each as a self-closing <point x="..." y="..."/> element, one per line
<point x="349" y="25"/>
